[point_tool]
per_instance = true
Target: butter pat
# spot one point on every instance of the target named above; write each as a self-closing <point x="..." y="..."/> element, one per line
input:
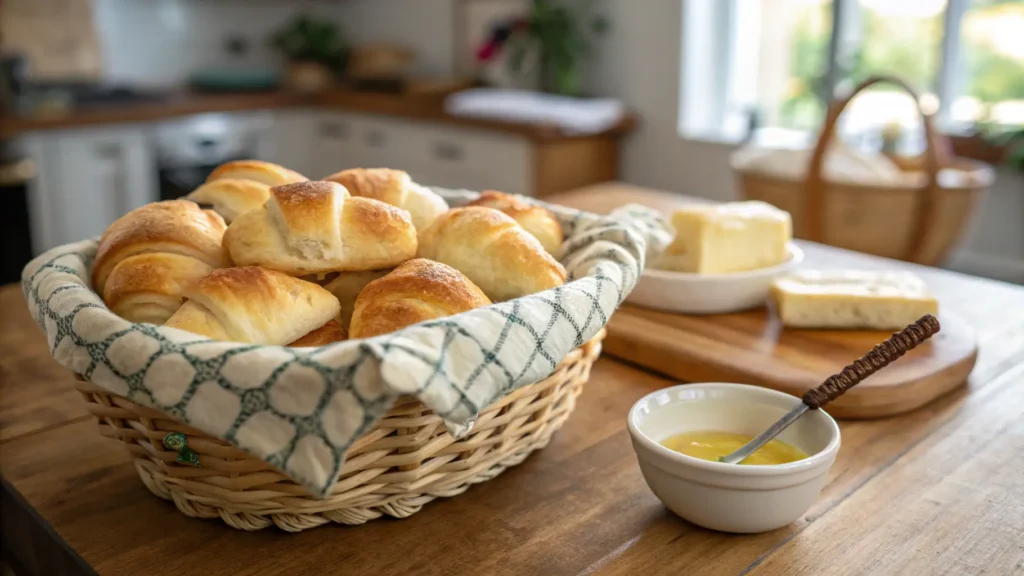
<point x="724" y="238"/>
<point x="857" y="299"/>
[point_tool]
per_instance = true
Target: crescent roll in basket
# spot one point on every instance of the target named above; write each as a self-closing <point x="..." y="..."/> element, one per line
<point x="266" y="173"/>
<point x="534" y="219"/>
<point x="316" y="228"/>
<point x="416" y="291"/>
<point x="347" y="286"/>
<point x="254" y="305"/>
<point x="329" y="333"/>
<point x="177" y="227"/>
<point x="493" y="251"/>
<point x="150" y="287"/>
<point x="230" y="197"/>
<point x="396" y="188"/>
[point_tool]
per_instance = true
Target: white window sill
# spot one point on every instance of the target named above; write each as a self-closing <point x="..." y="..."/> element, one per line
<point x="765" y="137"/>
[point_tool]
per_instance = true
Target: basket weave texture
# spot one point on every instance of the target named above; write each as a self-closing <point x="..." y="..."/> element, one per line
<point x="405" y="461"/>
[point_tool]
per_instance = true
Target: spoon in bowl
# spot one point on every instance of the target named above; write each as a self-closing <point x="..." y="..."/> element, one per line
<point x="836" y="385"/>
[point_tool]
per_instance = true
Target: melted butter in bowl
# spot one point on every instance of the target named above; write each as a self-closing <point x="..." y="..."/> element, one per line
<point x="679" y="433"/>
<point x="711" y="445"/>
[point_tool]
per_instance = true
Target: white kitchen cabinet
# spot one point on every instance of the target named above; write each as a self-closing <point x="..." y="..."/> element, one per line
<point x="433" y="153"/>
<point x="345" y="140"/>
<point x="88" y="178"/>
<point x="291" y="143"/>
<point x="334" y="145"/>
<point x="455" y="157"/>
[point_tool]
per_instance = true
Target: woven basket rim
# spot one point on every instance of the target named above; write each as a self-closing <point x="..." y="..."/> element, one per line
<point x="980" y="171"/>
<point x="382" y="477"/>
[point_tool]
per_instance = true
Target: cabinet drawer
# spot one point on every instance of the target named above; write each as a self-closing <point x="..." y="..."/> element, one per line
<point x="359" y="141"/>
<point x="473" y="159"/>
<point x="292" y="141"/>
<point x="87" y="179"/>
<point x="334" y="144"/>
<point x="433" y="153"/>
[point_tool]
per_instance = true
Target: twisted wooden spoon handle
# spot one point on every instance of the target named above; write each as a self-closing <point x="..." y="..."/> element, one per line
<point x="879" y="357"/>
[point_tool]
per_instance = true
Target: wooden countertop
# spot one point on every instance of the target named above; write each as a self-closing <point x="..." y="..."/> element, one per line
<point x="187" y="103"/>
<point x="935" y="491"/>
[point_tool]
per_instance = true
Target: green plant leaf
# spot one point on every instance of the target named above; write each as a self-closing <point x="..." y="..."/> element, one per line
<point x="308" y="39"/>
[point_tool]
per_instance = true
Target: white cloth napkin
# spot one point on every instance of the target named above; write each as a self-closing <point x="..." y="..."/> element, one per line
<point x="572" y="115"/>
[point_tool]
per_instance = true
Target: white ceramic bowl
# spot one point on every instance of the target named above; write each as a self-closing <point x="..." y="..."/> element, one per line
<point x="731" y="497"/>
<point x="709" y="293"/>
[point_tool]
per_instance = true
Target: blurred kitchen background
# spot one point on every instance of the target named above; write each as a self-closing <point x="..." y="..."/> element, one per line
<point x="109" y="104"/>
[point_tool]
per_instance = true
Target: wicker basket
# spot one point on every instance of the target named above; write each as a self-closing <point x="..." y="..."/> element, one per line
<point x="407" y="460"/>
<point x="916" y="225"/>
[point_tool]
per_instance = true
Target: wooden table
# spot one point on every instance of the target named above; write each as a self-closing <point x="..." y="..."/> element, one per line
<point x="937" y="491"/>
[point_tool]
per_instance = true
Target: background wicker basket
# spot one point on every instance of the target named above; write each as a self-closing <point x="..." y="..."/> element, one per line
<point x="405" y="461"/>
<point x="916" y="225"/>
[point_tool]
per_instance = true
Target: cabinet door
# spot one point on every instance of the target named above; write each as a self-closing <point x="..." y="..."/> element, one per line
<point x="335" y="147"/>
<point x="433" y="153"/>
<point x="385" y="142"/>
<point x="477" y="160"/>
<point x="91" y="178"/>
<point x="292" y="140"/>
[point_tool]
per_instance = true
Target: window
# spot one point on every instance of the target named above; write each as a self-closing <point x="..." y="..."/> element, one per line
<point x="774" y="63"/>
<point x="991" y="76"/>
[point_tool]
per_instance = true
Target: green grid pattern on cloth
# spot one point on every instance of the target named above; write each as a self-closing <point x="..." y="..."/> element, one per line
<point x="301" y="409"/>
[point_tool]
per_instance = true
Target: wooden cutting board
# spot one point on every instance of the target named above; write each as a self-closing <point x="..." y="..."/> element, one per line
<point x="753" y="348"/>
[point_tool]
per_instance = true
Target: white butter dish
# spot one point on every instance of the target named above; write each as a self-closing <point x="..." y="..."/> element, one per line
<point x="688" y="293"/>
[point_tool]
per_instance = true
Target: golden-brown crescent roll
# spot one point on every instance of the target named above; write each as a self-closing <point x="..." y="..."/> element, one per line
<point x="149" y="287"/>
<point x="258" y="171"/>
<point x="416" y="291"/>
<point x="394" y="187"/>
<point x="534" y="219"/>
<point x="493" y="251"/>
<point x="254" y="305"/>
<point x="230" y="197"/>
<point x="347" y="286"/>
<point x="316" y="228"/>
<point x="329" y="333"/>
<point x="171" y="226"/>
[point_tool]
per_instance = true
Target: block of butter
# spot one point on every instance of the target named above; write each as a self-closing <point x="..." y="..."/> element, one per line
<point x="852" y="299"/>
<point x="724" y="238"/>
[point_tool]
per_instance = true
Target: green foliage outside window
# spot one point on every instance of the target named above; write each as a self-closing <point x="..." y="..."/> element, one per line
<point x="909" y="49"/>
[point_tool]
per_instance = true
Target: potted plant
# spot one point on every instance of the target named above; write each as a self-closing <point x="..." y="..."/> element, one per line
<point x="315" y="50"/>
<point x="550" y="42"/>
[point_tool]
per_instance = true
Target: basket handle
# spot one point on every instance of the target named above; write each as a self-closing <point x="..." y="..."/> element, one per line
<point x="814" y="186"/>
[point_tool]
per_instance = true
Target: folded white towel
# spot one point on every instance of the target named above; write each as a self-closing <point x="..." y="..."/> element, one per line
<point x="571" y="115"/>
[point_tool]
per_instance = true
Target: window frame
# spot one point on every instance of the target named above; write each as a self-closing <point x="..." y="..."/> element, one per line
<point x="711" y="114"/>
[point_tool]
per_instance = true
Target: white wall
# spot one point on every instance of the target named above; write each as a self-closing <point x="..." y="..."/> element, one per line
<point x="427" y="26"/>
<point x="994" y="246"/>
<point x="159" y="42"/>
<point x="638" y="61"/>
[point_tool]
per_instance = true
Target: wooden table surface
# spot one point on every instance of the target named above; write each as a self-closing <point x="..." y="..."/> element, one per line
<point x="937" y="491"/>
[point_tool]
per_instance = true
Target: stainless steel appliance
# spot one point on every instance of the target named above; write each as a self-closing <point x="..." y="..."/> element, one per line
<point x="188" y="150"/>
<point x="16" y="172"/>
